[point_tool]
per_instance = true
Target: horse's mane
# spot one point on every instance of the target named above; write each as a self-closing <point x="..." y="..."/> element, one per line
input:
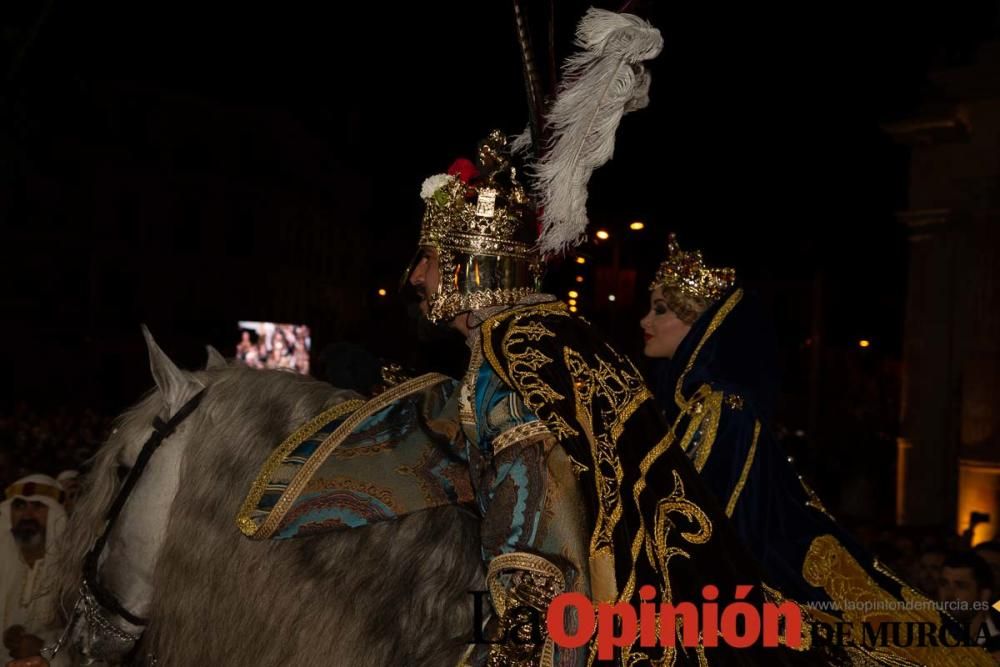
<point x="391" y="594"/>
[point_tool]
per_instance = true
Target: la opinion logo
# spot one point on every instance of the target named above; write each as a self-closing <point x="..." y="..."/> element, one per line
<point x="738" y="624"/>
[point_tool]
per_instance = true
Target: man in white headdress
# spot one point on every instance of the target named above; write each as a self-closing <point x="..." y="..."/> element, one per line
<point x="32" y="520"/>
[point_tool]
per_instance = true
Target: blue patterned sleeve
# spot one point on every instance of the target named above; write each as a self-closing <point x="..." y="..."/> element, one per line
<point x="534" y="535"/>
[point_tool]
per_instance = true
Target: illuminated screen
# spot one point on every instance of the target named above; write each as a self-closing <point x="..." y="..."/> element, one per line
<point x="274" y="345"/>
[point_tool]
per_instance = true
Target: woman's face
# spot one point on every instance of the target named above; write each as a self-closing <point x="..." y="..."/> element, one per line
<point x="663" y="330"/>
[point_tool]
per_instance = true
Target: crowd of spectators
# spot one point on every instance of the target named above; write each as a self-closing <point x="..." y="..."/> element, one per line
<point x="36" y="440"/>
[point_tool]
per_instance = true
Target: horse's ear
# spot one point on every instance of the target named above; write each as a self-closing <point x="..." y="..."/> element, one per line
<point x="215" y="359"/>
<point x="175" y="385"/>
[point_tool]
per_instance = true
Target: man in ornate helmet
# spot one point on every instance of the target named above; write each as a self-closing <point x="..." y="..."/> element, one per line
<point x="576" y="488"/>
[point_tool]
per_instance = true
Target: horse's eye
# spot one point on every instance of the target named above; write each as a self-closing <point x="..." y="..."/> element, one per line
<point x="122" y="472"/>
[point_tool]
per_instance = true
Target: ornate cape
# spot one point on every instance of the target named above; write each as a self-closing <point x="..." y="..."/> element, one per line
<point x="718" y="395"/>
<point x="653" y="521"/>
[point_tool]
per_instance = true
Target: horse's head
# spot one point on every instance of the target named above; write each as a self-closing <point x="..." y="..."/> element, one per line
<point x="135" y="478"/>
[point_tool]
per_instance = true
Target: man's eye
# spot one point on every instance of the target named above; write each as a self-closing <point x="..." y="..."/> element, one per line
<point x="659" y="310"/>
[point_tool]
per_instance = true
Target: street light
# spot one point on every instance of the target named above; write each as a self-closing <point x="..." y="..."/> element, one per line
<point x="581" y="260"/>
<point x="573" y="294"/>
<point x="603" y="235"/>
<point x="864" y="343"/>
<point x="637" y="226"/>
<point x="572" y="302"/>
<point x="381" y="292"/>
<point x="579" y="279"/>
<point x="611" y="297"/>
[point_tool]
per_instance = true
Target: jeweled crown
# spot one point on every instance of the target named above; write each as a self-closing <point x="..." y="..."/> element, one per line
<point x="482" y="221"/>
<point x="687" y="273"/>
<point x="479" y="209"/>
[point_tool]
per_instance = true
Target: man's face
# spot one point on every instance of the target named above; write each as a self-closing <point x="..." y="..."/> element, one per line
<point x="959" y="584"/>
<point x="426" y="277"/>
<point x="28" y="520"/>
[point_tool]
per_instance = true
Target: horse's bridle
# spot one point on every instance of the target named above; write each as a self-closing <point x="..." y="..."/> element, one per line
<point x="92" y="592"/>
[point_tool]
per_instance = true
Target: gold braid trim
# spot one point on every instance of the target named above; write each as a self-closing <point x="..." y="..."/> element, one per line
<point x="717" y="320"/>
<point x="731" y="506"/>
<point x="332" y="441"/>
<point x="504" y="601"/>
<point x="487" y="328"/>
<point x="519" y="560"/>
<point x="520" y="433"/>
<point x="277" y="457"/>
<point x="711" y="414"/>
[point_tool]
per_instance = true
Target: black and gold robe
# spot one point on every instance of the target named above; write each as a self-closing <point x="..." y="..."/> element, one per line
<point x="642" y="515"/>
<point x="717" y="395"/>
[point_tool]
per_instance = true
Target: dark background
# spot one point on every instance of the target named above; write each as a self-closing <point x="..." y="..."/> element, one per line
<point x="188" y="165"/>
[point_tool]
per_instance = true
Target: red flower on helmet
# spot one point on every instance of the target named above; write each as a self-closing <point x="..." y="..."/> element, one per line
<point x="464" y="169"/>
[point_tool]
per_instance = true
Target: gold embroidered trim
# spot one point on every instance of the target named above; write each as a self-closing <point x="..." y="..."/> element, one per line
<point x="332" y="441"/>
<point x="277" y="457"/>
<point x="520" y="433"/>
<point x="831" y="567"/>
<point x="731" y="506"/>
<point x="518" y="560"/>
<point x="526" y="562"/>
<point x="621" y="393"/>
<point x="709" y="423"/>
<point x="487" y="327"/>
<point x="677" y="502"/>
<point x="523" y="366"/>
<point x="640" y="534"/>
<point x="716" y="322"/>
<point x="467" y="393"/>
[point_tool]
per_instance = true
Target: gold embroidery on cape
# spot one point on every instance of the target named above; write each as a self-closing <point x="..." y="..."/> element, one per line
<point x="708" y="421"/>
<point x="829" y="566"/>
<point x="588" y="385"/>
<point x="716" y="322"/>
<point x="704" y="411"/>
<point x="523" y="365"/>
<point x="332" y="441"/>
<point x="620" y="391"/>
<point x="247" y="525"/>
<point x="487" y="327"/>
<point x="747" y="464"/>
<point x="677" y="503"/>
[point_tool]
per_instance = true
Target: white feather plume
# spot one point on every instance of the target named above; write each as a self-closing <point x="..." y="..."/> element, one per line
<point x="600" y="84"/>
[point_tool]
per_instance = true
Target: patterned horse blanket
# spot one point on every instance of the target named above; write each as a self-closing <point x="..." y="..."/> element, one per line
<point x="360" y="462"/>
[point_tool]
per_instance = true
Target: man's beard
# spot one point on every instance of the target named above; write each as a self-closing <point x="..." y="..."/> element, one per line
<point x="427" y="331"/>
<point x="28" y="533"/>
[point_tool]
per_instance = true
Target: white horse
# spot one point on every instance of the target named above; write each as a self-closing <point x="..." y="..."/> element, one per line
<point x="199" y="592"/>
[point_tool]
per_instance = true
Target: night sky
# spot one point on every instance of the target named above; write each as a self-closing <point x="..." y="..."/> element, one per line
<point x="762" y="145"/>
